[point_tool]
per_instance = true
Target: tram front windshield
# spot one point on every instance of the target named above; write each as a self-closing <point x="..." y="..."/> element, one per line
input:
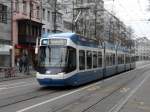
<point x="52" y="56"/>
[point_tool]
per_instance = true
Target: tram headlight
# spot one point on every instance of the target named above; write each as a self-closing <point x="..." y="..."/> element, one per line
<point x="48" y="72"/>
<point x="62" y="73"/>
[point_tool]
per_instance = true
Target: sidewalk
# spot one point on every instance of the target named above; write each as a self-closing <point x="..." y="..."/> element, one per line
<point x="17" y="75"/>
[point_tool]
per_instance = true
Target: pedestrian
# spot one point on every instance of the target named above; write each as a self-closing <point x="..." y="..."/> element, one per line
<point x="26" y="63"/>
<point x="20" y="64"/>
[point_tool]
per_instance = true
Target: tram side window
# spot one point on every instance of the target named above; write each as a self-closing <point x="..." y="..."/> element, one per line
<point x="71" y="59"/>
<point x="110" y="60"/>
<point x="119" y="59"/>
<point x="81" y="60"/>
<point x="89" y="59"/>
<point x="113" y="55"/>
<point x="123" y="59"/>
<point x="107" y="59"/>
<point x="132" y="59"/>
<point x="99" y="59"/>
<point x="127" y="59"/>
<point x="94" y="59"/>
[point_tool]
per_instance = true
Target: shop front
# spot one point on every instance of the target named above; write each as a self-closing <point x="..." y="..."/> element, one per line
<point x="5" y="56"/>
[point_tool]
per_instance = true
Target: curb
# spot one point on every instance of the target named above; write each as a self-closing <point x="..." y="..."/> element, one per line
<point x="15" y="78"/>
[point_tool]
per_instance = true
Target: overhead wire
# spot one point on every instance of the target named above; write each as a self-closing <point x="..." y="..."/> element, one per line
<point x="130" y="15"/>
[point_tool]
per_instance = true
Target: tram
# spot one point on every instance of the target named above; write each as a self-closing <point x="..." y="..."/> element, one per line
<point x="69" y="59"/>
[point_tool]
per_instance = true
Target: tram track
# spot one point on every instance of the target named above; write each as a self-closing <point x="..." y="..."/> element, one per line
<point x="39" y="93"/>
<point x="77" y="101"/>
<point x="25" y="97"/>
<point x="113" y="92"/>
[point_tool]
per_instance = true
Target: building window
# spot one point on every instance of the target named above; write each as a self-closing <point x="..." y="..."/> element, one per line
<point x="79" y="2"/>
<point x="91" y="1"/>
<point x="48" y="16"/>
<point x="32" y="10"/>
<point x="3" y="13"/>
<point x="24" y="7"/>
<point x="43" y="30"/>
<point x="17" y="5"/>
<point x="43" y="14"/>
<point x="38" y="12"/>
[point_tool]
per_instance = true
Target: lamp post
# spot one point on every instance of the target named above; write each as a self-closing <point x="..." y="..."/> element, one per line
<point x="12" y="52"/>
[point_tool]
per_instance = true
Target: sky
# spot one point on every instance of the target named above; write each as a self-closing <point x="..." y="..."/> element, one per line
<point x="133" y="13"/>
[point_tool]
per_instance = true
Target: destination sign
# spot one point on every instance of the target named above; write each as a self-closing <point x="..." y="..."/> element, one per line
<point x="54" y="42"/>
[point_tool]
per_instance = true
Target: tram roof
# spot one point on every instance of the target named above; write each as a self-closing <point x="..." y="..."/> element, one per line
<point x="81" y="40"/>
<point x="49" y="35"/>
<point x="76" y="38"/>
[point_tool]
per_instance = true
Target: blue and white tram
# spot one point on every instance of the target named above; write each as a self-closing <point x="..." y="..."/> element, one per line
<point x="120" y="60"/>
<point x="132" y="63"/>
<point x="110" y="60"/>
<point x="68" y="59"/>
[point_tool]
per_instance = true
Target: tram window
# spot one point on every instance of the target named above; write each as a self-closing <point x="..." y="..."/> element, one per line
<point x="89" y="59"/>
<point x="107" y="59"/>
<point x="127" y="59"/>
<point x="94" y="59"/>
<point x="122" y="59"/>
<point x="119" y="59"/>
<point x="71" y="59"/>
<point x="81" y="60"/>
<point x="110" y="59"/>
<point x="133" y="59"/>
<point x="113" y="55"/>
<point x="99" y="59"/>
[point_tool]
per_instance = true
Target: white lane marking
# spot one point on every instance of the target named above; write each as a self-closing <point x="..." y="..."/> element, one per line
<point x="13" y="84"/>
<point x="123" y="101"/>
<point x="2" y="88"/>
<point x="56" y="98"/>
<point x="19" y="86"/>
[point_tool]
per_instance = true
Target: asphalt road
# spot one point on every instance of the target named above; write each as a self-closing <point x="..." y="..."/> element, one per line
<point x="126" y="92"/>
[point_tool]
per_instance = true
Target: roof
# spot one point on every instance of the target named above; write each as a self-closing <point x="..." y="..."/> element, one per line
<point x="48" y="35"/>
<point x="62" y="35"/>
<point x="77" y="39"/>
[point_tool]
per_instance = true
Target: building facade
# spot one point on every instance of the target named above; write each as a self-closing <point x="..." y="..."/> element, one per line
<point x="51" y="17"/>
<point x="142" y="48"/>
<point x="27" y="26"/>
<point x="5" y="33"/>
<point x="83" y="17"/>
<point x="47" y="9"/>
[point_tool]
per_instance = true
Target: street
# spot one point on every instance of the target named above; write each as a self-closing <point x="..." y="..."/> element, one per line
<point x="126" y="92"/>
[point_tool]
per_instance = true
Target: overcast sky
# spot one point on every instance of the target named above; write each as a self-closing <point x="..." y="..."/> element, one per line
<point x="133" y="13"/>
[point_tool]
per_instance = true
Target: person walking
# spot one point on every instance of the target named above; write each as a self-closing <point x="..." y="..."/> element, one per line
<point x="20" y="64"/>
<point x="26" y="63"/>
